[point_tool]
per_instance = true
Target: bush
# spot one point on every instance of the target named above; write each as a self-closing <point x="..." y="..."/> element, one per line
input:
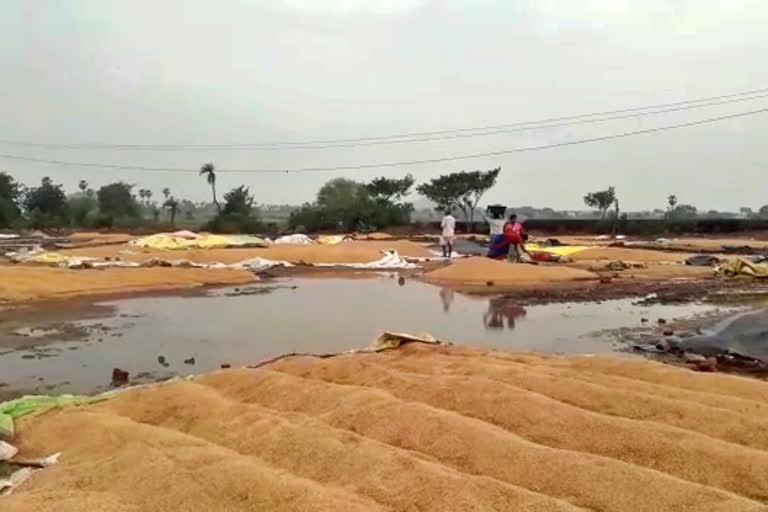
<point x="79" y="208"/>
<point x="39" y="219"/>
<point x="234" y="223"/>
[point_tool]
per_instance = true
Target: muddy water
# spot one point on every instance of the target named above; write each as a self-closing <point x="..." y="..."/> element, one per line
<point x="158" y="337"/>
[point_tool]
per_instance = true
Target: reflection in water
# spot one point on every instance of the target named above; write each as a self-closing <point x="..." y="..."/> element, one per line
<point x="500" y="308"/>
<point x="447" y="296"/>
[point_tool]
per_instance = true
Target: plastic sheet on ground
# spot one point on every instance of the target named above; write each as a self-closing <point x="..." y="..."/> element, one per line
<point x="297" y="239"/>
<point x="331" y="239"/>
<point x="742" y="267"/>
<point x="54" y="259"/>
<point x="390" y="260"/>
<point x="27" y="467"/>
<point x="16" y="479"/>
<point x="563" y="250"/>
<point x="34" y="404"/>
<point x="392" y="340"/>
<point x="169" y="241"/>
<point x="8" y="235"/>
<point x="7" y="451"/>
<point x="259" y="264"/>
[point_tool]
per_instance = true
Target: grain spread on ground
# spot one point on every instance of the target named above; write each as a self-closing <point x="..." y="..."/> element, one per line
<point x="629" y="255"/>
<point x="344" y="252"/>
<point x="480" y="270"/>
<point x="24" y="283"/>
<point x="420" y="428"/>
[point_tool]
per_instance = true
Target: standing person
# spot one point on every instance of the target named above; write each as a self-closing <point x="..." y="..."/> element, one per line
<point x="495" y="220"/>
<point x="498" y="245"/>
<point x="449" y="234"/>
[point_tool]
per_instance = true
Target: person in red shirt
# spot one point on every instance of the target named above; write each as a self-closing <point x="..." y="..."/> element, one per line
<point x="513" y="232"/>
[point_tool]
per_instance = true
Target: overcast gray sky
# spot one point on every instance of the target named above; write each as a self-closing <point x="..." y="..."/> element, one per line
<point x="220" y="72"/>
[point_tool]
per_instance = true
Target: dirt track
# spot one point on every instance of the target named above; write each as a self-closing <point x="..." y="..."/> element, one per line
<point x="422" y="428"/>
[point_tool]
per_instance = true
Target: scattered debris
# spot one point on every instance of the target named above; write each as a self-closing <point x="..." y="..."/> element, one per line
<point x="618" y="266"/>
<point x="119" y="377"/>
<point x="190" y="361"/>
<point x="703" y="260"/>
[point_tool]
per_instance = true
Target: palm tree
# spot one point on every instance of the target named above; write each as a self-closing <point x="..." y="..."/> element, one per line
<point x="672" y="202"/>
<point x="173" y="207"/>
<point x="166" y="193"/>
<point x="143" y="195"/>
<point x="83" y="186"/>
<point x="210" y="176"/>
<point x="148" y="194"/>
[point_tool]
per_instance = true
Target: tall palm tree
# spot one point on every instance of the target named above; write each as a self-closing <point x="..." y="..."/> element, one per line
<point x="209" y="170"/>
<point x="166" y="193"/>
<point x="83" y="186"/>
<point x="173" y="207"/>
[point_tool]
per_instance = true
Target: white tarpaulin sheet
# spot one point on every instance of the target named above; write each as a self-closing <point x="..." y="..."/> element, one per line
<point x="294" y="240"/>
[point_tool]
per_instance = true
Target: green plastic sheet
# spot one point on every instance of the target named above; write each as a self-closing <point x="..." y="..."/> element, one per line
<point x="36" y="404"/>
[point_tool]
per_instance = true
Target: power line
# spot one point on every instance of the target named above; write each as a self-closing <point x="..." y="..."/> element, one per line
<point x="395" y="164"/>
<point x="423" y="139"/>
<point x="424" y="136"/>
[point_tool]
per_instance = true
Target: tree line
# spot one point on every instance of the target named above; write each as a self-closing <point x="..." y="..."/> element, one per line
<point x="117" y="204"/>
<point x="340" y="203"/>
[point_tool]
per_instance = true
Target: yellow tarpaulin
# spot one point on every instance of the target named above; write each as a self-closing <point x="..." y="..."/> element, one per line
<point x="742" y="267"/>
<point x="565" y="250"/>
<point x="330" y="239"/>
<point x="169" y="242"/>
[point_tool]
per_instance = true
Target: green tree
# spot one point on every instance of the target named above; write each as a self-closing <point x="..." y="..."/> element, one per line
<point x="116" y="200"/>
<point x="83" y="186"/>
<point x="10" y="195"/>
<point x="80" y="206"/>
<point x="462" y="190"/>
<point x="47" y="198"/>
<point x="166" y="193"/>
<point x="238" y="201"/>
<point x="671" y="203"/>
<point x="601" y="200"/>
<point x="345" y="202"/>
<point x="239" y="215"/>
<point x="173" y="207"/>
<point x="390" y="190"/>
<point x="209" y="171"/>
<point x="46" y="204"/>
<point x="684" y="211"/>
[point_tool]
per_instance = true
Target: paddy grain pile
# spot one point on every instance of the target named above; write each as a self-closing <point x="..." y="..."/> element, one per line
<point x="480" y="271"/>
<point x="420" y="428"/>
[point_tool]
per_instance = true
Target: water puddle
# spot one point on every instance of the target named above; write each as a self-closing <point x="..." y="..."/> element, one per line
<point x="155" y="338"/>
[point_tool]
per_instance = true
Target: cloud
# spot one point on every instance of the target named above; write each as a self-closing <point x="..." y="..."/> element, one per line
<point x="352" y="7"/>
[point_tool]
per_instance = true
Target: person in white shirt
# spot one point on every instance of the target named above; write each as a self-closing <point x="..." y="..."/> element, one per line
<point x="495" y="220"/>
<point x="448" y="235"/>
